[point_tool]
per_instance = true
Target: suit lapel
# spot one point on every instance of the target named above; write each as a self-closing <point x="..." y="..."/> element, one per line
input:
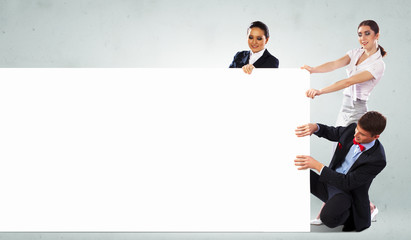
<point x="339" y="156"/>
<point x="261" y="59"/>
<point x="343" y="147"/>
<point x="364" y="155"/>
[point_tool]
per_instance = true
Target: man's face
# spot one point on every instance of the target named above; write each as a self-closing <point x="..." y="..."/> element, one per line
<point x="362" y="136"/>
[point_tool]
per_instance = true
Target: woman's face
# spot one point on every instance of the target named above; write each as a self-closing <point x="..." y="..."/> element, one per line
<point x="256" y="39"/>
<point x="367" y="37"/>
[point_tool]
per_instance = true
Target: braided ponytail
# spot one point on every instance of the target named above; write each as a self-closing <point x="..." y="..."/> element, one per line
<point x="383" y="52"/>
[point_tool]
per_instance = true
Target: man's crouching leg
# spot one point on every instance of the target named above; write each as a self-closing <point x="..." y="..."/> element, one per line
<point x="336" y="210"/>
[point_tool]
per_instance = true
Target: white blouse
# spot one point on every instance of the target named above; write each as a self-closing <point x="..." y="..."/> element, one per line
<point x="373" y="64"/>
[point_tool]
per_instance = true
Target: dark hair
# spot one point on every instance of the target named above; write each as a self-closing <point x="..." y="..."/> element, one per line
<point x="374" y="26"/>
<point x="373" y="122"/>
<point x="260" y="25"/>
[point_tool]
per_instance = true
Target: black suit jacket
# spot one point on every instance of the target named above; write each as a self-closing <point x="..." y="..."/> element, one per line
<point x="265" y="61"/>
<point x="359" y="177"/>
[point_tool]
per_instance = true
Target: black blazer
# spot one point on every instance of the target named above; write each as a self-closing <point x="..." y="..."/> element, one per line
<point x="265" y="61"/>
<point x="359" y="177"/>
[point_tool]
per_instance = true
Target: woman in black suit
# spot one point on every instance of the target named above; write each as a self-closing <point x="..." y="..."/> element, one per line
<point x="258" y="57"/>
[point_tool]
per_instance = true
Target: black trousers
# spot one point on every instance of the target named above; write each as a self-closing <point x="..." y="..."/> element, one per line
<point x="337" y="208"/>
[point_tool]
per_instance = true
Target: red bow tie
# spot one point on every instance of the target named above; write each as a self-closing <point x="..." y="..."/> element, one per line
<point x="359" y="144"/>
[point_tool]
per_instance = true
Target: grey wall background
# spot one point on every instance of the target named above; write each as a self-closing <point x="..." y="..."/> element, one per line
<point x="207" y="34"/>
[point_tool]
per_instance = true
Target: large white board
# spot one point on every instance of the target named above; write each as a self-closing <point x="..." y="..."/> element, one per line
<point x="152" y="150"/>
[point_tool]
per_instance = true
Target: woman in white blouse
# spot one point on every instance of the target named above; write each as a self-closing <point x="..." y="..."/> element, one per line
<point x="365" y="68"/>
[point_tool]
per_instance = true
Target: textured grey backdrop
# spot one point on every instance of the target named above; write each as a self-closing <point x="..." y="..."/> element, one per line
<point x="193" y="33"/>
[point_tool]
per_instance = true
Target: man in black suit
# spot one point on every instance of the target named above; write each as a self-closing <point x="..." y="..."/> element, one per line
<point x="359" y="157"/>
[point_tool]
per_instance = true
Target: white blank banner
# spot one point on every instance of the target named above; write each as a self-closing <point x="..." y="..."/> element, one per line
<point x="153" y="150"/>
